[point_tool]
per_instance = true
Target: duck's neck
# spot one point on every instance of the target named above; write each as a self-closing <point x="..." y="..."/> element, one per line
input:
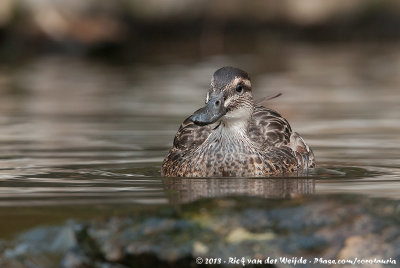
<point x="237" y="128"/>
<point x="228" y="139"/>
<point x="236" y="124"/>
<point x="230" y="135"/>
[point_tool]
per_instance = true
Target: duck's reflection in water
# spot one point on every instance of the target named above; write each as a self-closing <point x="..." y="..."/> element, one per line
<point x="184" y="190"/>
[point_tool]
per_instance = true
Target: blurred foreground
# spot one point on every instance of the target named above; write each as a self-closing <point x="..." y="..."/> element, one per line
<point x="323" y="228"/>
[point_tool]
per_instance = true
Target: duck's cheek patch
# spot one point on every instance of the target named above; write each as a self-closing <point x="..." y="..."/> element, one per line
<point x="227" y="102"/>
<point x="231" y="102"/>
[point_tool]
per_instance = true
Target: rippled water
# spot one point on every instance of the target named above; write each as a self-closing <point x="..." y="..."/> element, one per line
<point x="82" y="139"/>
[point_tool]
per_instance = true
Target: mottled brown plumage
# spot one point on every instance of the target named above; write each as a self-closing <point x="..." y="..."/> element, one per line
<point x="232" y="137"/>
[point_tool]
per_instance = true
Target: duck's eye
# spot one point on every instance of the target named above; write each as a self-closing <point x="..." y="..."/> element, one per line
<point x="239" y="88"/>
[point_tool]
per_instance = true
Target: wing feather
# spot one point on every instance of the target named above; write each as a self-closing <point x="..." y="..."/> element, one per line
<point x="190" y="135"/>
<point x="268" y="128"/>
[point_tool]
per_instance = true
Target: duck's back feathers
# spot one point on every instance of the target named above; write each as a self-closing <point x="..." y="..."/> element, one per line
<point x="190" y="136"/>
<point x="282" y="151"/>
<point x="304" y="154"/>
<point x="268" y="128"/>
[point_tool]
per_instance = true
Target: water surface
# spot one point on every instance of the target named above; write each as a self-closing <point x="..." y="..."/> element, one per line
<point x="83" y="139"/>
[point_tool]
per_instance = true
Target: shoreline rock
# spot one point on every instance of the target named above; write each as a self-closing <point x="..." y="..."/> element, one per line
<point x="328" y="227"/>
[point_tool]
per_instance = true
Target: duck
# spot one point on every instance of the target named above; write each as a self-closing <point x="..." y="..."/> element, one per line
<point x="232" y="136"/>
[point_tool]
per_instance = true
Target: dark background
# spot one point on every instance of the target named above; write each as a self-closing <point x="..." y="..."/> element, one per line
<point x="134" y="30"/>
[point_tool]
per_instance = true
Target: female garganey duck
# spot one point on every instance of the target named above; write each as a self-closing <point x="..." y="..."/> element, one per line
<point x="232" y="137"/>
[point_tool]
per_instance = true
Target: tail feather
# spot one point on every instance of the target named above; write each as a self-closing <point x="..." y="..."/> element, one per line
<point x="304" y="154"/>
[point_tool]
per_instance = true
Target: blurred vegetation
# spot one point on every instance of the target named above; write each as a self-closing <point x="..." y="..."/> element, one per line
<point x="133" y="28"/>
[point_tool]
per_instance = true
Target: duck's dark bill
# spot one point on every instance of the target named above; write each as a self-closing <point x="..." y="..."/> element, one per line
<point x="209" y="114"/>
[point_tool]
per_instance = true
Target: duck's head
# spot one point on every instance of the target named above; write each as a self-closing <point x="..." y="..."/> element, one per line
<point x="229" y="99"/>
